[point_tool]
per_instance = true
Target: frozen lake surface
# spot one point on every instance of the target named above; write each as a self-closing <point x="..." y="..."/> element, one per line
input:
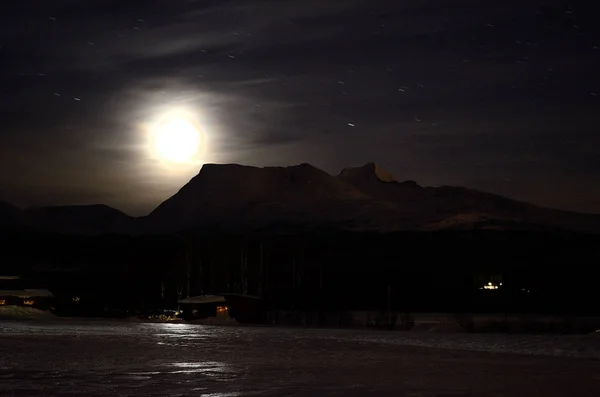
<point x="98" y="358"/>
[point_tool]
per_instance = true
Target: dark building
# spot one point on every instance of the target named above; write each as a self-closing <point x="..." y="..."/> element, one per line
<point x="14" y="291"/>
<point x="238" y="307"/>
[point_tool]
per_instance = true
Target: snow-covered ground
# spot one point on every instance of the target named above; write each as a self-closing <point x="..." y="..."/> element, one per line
<point x="20" y="312"/>
<point x="97" y="358"/>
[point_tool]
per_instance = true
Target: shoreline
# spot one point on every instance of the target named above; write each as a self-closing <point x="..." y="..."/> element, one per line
<point x="421" y="323"/>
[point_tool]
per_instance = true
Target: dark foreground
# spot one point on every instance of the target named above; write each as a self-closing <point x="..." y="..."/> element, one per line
<point x="126" y="359"/>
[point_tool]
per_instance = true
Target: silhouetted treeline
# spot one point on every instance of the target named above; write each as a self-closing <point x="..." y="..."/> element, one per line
<point x="433" y="271"/>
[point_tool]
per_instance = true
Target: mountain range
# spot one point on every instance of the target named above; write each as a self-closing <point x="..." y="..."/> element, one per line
<point x="241" y="199"/>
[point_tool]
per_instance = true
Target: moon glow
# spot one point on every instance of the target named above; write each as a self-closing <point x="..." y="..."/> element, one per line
<point x="176" y="139"/>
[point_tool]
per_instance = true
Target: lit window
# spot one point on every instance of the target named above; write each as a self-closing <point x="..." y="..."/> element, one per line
<point x="2" y="302"/>
<point x="222" y="311"/>
<point x="28" y="302"/>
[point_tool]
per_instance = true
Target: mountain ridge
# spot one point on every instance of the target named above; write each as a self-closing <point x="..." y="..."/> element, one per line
<point x="370" y="170"/>
<point x="242" y="198"/>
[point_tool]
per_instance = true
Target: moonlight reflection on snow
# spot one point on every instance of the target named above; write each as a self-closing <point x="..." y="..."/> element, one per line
<point x="96" y="358"/>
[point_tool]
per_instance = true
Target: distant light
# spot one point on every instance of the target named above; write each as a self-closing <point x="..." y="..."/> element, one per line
<point x="351" y="125"/>
<point x="491" y="286"/>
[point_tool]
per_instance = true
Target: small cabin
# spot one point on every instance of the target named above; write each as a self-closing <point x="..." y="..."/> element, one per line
<point x="238" y="307"/>
<point x="35" y="298"/>
<point x="14" y="292"/>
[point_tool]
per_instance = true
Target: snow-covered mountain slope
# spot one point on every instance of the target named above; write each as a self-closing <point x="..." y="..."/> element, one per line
<point x="236" y="195"/>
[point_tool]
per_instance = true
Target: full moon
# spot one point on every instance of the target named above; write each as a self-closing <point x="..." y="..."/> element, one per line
<point x="176" y="139"/>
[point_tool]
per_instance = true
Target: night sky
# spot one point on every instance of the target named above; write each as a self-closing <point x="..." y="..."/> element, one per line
<point x="495" y="95"/>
